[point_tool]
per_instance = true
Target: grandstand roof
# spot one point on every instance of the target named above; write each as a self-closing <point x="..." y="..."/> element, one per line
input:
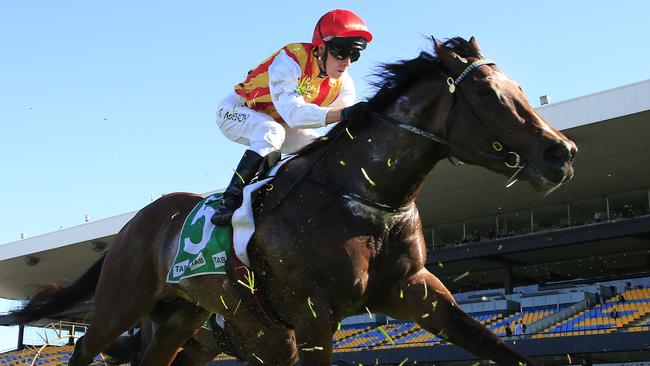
<point x="610" y="128"/>
<point x="62" y="255"/>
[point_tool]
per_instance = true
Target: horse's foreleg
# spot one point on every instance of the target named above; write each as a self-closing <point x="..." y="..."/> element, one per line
<point x="425" y="300"/>
<point x="313" y="330"/>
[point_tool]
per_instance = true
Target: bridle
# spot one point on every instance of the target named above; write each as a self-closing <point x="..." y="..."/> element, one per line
<point x="510" y="159"/>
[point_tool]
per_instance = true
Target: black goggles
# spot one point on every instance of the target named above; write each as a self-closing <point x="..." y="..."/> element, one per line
<point x="341" y="53"/>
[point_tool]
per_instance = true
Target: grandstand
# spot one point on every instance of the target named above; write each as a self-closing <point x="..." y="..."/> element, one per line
<point x="559" y="264"/>
<point x="574" y="311"/>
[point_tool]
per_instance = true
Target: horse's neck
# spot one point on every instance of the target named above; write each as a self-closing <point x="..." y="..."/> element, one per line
<point x="386" y="164"/>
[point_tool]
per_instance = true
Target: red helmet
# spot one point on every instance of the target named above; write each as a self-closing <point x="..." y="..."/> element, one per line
<point x="339" y="23"/>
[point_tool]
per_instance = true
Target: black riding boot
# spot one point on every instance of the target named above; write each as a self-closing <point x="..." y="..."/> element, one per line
<point x="232" y="196"/>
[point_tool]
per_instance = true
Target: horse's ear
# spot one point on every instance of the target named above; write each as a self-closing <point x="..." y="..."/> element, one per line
<point x="474" y="44"/>
<point x="436" y="45"/>
<point x="447" y="56"/>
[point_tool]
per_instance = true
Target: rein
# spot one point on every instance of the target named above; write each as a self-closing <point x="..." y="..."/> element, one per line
<point x="418" y="131"/>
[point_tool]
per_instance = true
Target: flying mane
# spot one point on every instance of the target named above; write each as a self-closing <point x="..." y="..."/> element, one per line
<point x="391" y="80"/>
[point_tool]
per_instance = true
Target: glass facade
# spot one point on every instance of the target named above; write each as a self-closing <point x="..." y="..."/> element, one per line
<point x="481" y="229"/>
<point x="589" y="211"/>
<point x="449" y="234"/>
<point x="514" y="223"/>
<point x="552" y="217"/>
<point x="628" y="204"/>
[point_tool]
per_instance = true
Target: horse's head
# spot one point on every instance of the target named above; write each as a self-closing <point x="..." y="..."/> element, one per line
<point x="492" y="124"/>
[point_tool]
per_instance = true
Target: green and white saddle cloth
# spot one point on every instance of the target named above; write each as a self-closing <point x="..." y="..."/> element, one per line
<point x="203" y="247"/>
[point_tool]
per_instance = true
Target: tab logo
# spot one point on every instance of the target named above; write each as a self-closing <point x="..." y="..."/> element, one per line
<point x="219" y="259"/>
<point x="198" y="262"/>
<point x="179" y="268"/>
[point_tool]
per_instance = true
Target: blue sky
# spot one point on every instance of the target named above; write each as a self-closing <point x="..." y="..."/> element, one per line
<point x="106" y="105"/>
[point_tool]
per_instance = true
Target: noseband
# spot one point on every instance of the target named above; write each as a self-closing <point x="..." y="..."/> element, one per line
<point x="510" y="159"/>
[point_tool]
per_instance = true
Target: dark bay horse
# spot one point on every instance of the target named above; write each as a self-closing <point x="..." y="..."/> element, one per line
<point x="339" y="231"/>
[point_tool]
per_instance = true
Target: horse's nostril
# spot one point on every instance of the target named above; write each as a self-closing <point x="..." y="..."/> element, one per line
<point x="573" y="152"/>
<point x="556" y="154"/>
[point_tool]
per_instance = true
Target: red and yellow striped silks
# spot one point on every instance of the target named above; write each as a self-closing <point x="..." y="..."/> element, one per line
<point x="319" y="91"/>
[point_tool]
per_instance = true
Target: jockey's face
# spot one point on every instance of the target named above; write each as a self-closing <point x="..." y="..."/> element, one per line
<point x="335" y="66"/>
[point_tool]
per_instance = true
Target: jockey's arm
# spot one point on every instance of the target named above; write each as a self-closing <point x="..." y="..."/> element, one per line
<point x="333" y="115"/>
<point x="346" y="98"/>
<point x="284" y="74"/>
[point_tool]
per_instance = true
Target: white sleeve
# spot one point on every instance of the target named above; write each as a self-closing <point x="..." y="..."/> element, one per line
<point x="347" y="94"/>
<point x="284" y="74"/>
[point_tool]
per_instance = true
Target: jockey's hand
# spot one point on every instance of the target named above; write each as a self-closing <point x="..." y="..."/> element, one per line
<point x="354" y="112"/>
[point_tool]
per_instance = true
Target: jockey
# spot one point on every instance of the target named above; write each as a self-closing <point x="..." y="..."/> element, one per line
<point x="300" y="87"/>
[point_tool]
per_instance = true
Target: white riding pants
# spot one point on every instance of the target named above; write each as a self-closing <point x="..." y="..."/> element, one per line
<point x="258" y="130"/>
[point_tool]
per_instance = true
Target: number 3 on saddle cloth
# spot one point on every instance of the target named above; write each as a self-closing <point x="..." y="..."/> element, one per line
<point x="204" y="248"/>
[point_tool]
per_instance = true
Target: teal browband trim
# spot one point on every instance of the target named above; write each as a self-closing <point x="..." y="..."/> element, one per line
<point x="471" y="68"/>
<point x="452" y="83"/>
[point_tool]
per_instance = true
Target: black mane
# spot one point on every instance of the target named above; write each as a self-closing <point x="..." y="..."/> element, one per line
<point x="391" y="80"/>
